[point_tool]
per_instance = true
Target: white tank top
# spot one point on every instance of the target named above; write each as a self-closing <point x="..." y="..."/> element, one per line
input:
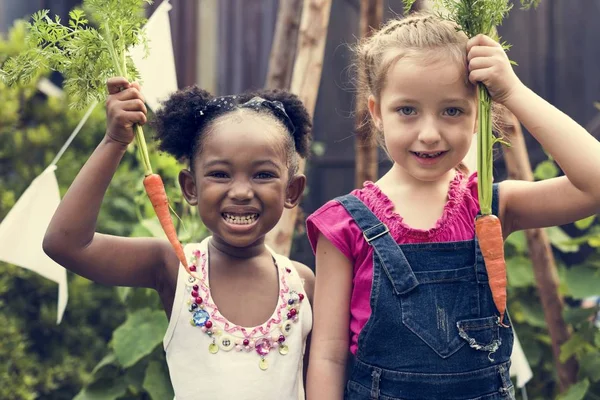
<point x="211" y="358"/>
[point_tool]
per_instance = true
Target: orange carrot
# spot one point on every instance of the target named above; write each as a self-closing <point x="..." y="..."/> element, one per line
<point x="489" y="233"/>
<point x="158" y="197"/>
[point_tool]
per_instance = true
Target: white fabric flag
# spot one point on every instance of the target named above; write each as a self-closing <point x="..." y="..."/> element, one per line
<point x="23" y="229"/>
<point x="519" y="364"/>
<point x="157" y="70"/>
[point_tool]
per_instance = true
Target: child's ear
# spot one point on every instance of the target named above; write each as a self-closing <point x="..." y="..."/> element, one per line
<point x="375" y="111"/>
<point x="294" y="190"/>
<point x="188" y="187"/>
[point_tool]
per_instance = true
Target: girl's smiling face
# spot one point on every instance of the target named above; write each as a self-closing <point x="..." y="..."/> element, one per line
<point x="427" y="112"/>
<point x="241" y="181"/>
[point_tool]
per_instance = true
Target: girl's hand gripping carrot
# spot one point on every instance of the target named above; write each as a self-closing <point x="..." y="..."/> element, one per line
<point x="125" y="108"/>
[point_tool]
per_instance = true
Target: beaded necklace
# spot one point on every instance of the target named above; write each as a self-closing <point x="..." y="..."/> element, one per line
<point x="263" y="339"/>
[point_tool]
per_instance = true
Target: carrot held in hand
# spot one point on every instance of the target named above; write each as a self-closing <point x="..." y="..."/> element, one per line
<point x="491" y="242"/>
<point x="73" y="50"/>
<point x="158" y="197"/>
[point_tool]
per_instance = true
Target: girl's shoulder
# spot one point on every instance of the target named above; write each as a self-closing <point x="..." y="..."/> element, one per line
<point x="336" y="224"/>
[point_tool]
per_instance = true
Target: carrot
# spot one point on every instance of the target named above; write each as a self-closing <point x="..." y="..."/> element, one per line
<point x="491" y="242"/>
<point x="158" y="197"/>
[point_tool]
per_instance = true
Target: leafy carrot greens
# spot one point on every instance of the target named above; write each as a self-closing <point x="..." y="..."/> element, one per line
<point x="87" y="57"/>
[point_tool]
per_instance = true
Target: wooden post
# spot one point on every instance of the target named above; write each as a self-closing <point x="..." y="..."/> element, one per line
<point x="305" y="83"/>
<point x="371" y="16"/>
<point x="285" y="39"/>
<point x="542" y="259"/>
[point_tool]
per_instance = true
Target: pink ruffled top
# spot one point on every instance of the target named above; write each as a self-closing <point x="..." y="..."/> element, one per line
<point x="333" y="221"/>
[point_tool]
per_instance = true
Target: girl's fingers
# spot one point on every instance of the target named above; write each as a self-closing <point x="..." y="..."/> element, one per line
<point x="134" y="105"/>
<point x="485" y="51"/>
<point x="129" y="118"/>
<point x="481" y="40"/>
<point x="479" y="75"/>
<point x="116" y="84"/>
<point x="129" y="94"/>
<point x="137" y="117"/>
<point x="481" y="62"/>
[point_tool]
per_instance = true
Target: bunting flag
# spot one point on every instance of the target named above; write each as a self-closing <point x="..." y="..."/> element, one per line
<point x="23" y="229"/>
<point x="157" y="69"/>
<point x="519" y="366"/>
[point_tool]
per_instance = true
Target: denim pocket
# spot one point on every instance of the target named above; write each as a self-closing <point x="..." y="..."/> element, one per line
<point x="481" y="333"/>
<point x="432" y="309"/>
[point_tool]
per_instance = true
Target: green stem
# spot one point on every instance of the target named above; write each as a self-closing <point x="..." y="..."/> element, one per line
<point x="485" y="143"/>
<point x="121" y="68"/>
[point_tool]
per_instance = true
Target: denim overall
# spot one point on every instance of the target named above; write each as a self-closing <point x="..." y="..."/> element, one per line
<point x="433" y="332"/>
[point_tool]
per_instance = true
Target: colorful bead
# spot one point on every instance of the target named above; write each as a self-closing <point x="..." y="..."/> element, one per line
<point x="263" y="346"/>
<point x="213" y="348"/>
<point x="200" y="317"/>
<point x="263" y="364"/>
<point x="223" y="339"/>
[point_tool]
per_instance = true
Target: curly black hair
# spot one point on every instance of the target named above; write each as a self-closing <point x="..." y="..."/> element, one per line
<point x="183" y="120"/>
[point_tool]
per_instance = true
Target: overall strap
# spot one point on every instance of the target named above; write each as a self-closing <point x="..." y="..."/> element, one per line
<point x="378" y="236"/>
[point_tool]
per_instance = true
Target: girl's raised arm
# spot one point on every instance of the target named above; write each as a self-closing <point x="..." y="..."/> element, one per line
<point x="554" y="201"/>
<point x="330" y="335"/>
<point x="71" y="239"/>
<point x="559" y="200"/>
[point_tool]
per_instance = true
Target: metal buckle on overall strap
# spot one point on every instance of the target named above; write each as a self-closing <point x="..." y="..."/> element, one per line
<point x="370" y="239"/>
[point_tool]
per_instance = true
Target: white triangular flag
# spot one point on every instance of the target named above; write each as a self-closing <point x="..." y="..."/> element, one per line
<point x="519" y="364"/>
<point x="23" y="229"/>
<point x="157" y="70"/>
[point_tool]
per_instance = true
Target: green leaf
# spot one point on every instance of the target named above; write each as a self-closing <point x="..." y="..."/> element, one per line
<point x="520" y="272"/>
<point x="518" y="240"/>
<point x="157" y="382"/>
<point x="139" y="335"/>
<point x="153" y="226"/>
<point x="561" y="240"/>
<point x="585" y="223"/>
<point x="529" y="313"/>
<point x="103" y="390"/>
<point x="590" y="366"/>
<point x="545" y="170"/>
<point x="109" y="359"/>
<point x="582" y="281"/>
<point x="123" y="292"/>
<point x="577" y="315"/>
<point x="576" y="345"/>
<point x="575" y="392"/>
